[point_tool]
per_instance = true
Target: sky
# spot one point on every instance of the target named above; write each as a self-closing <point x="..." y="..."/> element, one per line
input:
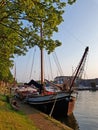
<point x="79" y="30"/>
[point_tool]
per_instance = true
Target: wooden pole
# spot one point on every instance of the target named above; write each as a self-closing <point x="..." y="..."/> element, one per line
<point x="84" y="55"/>
<point x="42" y="70"/>
<point x="42" y="58"/>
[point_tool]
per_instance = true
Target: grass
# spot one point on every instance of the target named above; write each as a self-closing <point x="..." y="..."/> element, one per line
<point x="17" y="120"/>
<point x="13" y="120"/>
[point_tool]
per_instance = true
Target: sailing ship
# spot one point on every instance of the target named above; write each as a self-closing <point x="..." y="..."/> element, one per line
<point x="56" y="103"/>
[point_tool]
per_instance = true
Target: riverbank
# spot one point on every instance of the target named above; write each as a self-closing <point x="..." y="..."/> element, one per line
<point x="27" y="118"/>
<point x="13" y="120"/>
<point x="41" y="120"/>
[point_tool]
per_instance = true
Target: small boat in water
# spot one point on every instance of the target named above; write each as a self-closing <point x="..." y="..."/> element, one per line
<point x="57" y="102"/>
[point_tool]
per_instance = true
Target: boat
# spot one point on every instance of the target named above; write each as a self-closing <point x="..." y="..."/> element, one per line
<point x="60" y="101"/>
<point x="23" y="91"/>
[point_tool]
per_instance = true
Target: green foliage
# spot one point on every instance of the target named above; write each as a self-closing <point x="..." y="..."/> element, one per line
<point x="45" y="17"/>
<point x="71" y="1"/>
<point x="26" y="23"/>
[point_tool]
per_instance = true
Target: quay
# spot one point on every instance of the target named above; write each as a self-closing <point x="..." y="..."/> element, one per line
<point x="30" y="119"/>
<point x="41" y="120"/>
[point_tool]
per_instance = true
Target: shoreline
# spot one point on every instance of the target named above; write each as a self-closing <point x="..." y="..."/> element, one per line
<point x="41" y="120"/>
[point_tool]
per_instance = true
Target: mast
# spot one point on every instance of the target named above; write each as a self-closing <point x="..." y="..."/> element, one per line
<point x="42" y="57"/>
<point x="14" y="75"/>
<point x="15" y="72"/>
<point x="79" y="67"/>
<point x="42" y="75"/>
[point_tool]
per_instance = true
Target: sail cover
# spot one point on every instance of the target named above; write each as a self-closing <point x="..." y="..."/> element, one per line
<point x="36" y="84"/>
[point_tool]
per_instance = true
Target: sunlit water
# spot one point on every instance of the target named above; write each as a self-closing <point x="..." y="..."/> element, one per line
<point x="85" y="115"/>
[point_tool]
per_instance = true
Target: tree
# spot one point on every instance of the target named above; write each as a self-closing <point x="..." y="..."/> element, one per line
<point x="24" y="24"/>
<point x="44" y="17"/>
<point x="12" y="36"/>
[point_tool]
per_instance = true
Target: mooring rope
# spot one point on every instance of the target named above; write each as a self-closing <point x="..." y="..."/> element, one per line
<point x="53" y="106"/>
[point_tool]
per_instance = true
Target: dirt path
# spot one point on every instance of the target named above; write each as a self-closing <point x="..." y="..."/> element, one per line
<point x="42" y="121"/>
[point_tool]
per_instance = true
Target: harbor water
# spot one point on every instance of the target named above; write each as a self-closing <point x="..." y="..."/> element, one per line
<point x="85" y="116"/>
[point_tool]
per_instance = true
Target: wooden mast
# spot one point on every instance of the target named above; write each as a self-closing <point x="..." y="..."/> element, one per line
<point x="14" y="75"/>
<point x="81" y="62"/>
<point x="42" y="58"/>
<point x="42" y="75"/>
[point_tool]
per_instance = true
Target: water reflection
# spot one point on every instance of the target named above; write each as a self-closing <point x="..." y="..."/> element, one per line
<point x="69" y="121"/>
<point x="85" y="113"/>
<point x="86" y="110"/>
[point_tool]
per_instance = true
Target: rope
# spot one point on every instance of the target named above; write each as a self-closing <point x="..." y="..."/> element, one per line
<point x="47" y="73"/>
<point x="54" y="100"/>
<point x="32" y="63"/>
<point x="53" y="106"/>
<point x="50" y="68"/>
<point x="25" y="73"/>
<point x="79" y="68"/>
<point x="57" y="63"/>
